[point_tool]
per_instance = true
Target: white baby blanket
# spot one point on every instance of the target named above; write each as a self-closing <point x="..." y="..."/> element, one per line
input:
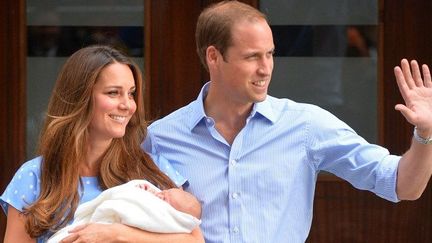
<point x="130" y="205"/>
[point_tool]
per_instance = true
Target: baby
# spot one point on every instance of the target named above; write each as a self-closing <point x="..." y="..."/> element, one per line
<point x="139" y="204"/>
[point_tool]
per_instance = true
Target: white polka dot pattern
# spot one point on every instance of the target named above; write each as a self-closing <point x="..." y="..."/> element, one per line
<point x="24" y="188"/>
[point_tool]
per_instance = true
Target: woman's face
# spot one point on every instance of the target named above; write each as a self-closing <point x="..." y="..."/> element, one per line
<point x="113" y="102"/>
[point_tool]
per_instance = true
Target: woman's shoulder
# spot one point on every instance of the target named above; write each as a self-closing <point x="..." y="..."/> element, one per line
<point x="29" y="170"/>
<point x="33" y="165"/>
<point x="24" y="187"/>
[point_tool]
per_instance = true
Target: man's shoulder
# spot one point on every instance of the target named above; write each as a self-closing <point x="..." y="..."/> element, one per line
<point x="286" y="111"/>
<point x="179" y="116"/>
<point x="288" y="105"/>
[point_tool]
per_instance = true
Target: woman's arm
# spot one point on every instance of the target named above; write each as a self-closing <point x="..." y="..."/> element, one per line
<point x="15" y="228"/>
<point x="105" y="233"/>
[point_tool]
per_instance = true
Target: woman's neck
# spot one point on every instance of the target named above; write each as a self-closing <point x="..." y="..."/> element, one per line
<point x="95" y="150"/>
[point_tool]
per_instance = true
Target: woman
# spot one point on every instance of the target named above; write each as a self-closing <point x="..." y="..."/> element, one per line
<point x="89" y="142"/>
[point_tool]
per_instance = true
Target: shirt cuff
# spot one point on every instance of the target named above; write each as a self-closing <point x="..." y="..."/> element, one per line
<point x="387" y="178"/>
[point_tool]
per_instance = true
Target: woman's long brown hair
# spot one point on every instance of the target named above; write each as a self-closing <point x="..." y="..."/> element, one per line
<point x="63" y="141"/>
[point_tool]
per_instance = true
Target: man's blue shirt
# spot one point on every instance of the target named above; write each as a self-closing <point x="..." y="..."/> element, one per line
<point x="261" y="188"/>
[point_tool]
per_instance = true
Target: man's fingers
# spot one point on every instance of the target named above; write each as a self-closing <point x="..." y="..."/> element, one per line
<point x="402" y="84"/>
<point x="406" y="71"/>
<point x="406" y="112"/>
<point x="416" y="75"/>
<point x="426" y="76"/>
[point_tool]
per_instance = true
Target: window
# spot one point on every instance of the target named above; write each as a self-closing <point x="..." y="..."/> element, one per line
<point x="56" y="29"/>
<point x="326" y="54"/>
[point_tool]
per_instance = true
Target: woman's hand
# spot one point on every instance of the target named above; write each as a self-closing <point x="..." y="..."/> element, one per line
<point x="94" y="233"/>
<point x="106" y="233"/>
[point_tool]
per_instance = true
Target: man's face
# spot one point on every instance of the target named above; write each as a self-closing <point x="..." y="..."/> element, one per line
<point x="243" y="76"/>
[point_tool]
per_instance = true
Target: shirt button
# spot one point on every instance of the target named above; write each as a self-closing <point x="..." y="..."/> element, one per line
<point x="236" y="230"/>
<point x="233" y="162"/>
<point x="235" y="195"/>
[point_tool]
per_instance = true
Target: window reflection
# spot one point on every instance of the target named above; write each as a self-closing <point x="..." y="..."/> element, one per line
<point x="362" y="41"/>
<point x="57" y="28"/>
<point x="325" y="12"/>
<point x="326" y="54"/>
<point x="324" y="41"/>
<point x="62" y="41"/>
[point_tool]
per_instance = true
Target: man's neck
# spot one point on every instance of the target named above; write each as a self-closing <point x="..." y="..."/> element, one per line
<point x="230" y="117"/>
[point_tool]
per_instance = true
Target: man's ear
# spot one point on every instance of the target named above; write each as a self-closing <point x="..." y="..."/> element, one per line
<point x="212" y="55"/>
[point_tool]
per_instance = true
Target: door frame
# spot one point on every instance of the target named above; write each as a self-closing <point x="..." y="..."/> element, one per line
<point x="174" y="76"/>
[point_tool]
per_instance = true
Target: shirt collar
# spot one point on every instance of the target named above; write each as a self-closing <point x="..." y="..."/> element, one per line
<point x="263" y="108"/>
<point x="198" y="112"/>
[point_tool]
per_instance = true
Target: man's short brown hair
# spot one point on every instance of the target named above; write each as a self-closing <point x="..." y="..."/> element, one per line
<point x="215" y="23"/>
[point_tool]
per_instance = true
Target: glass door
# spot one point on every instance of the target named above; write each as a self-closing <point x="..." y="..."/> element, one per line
<point x="326" y="54"/>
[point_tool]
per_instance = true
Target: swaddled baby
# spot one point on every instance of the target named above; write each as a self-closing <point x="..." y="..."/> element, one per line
<point x="137" y="203"/>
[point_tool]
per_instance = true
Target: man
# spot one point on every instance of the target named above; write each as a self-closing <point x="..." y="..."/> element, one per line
<point x="253" y="160"/>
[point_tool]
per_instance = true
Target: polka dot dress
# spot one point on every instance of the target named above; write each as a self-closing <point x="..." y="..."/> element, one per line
<point x="24" y="187"/>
